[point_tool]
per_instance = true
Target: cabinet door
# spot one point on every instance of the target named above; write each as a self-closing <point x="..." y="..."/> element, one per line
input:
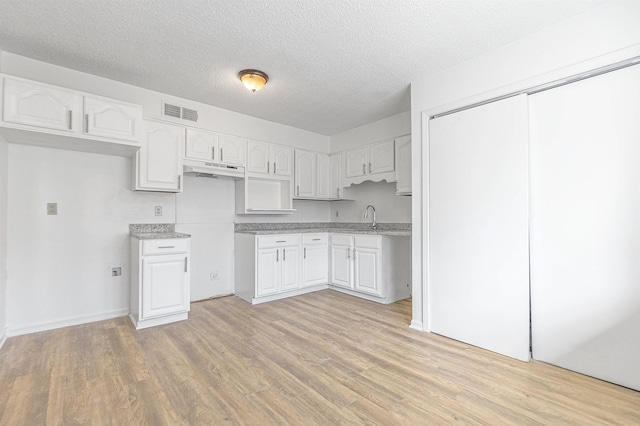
<point x="268" y="272"/>
<point x="112" y="119"/>
<point x="305" y="175"/>
<point x="355" y="161"/>
<point x="39" y="105"/>
<point x="201" y="145"/>
<point x="315" y="265"/>
<point x="367" y="274"/>
<point x="341" y="266"/>
<point x="258" y="157"/>
<point x="165" y="285"/>
<point x="382" y="157"/>
<point x="231" y="150"/>
<point x="290" y="264"/>
<point x="323" y="184"/>
<point x="159" y="159"/>
<point x="335" y="175"/>
<point x="403" y="165"/>
<point x="282" y="158"/>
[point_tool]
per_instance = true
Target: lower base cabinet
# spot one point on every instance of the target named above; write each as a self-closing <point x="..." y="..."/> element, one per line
<point x="159" y="281"/>
<point x="270" y="267"/>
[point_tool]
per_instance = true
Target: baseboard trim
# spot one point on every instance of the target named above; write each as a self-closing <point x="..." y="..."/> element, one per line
<point x="65" y="322"/>
<point x="416" y="325"/>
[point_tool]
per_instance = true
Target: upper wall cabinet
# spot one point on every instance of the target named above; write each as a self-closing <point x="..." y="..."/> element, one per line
<point x="44" y="115"/>
<point x="112" y="119"/>
<point x="403" y="165"/>
<point x="306" y="178"/>
<point x="232" y="149"/>
<point x="159" y="162"/>
<point x="375" y="162"/>
<point x="270" y="159"/>
<point x="209" y="146"/>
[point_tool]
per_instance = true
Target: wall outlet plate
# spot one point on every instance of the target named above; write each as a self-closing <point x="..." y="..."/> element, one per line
<point x="215" y="275"/>
<point x="52" y="209"/>
<point x="158" y="210"/>
<point x="116" y="271"/>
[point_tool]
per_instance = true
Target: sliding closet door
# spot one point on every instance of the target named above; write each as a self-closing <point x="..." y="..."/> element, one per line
<point x="478" y="227"/>
<point x="585" y="226"/>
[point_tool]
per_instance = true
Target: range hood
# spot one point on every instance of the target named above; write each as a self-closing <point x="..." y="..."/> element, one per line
<point x="208" y="169"/>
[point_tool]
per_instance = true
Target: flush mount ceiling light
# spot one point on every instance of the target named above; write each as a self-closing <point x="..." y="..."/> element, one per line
<point x="253" y="80"/>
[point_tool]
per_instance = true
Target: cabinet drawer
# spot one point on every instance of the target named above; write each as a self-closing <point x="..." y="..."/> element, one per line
<point x="270" y="241"/>
<point x="341" y="239"/>
<point x="309" y="239"/>
<point x="368" y="241"/>
<point x="171" y="246"/>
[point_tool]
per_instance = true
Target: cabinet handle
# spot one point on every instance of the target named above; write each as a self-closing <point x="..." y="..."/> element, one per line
<point x="316" y="239"/>
<point x="298" y="187"/>
<point x="338" y="192"/>
<point x="281" y="241"/>
<point x="369" y="167"/>
<point x="268" y="170"/>
<point x="277" y="252"/>
<point x="221" y="154"/>
<point x="185" y="263"/>
<point x="179" y="182"/>
<point x="284" y="255"/>
<point x="275" y="165"/>
<point x="70" y="120"/>
<point x="167" y="247"/>
<point x="364" y="169"/>
<point x="86" y="123"/>
<point x="213" y="152"/>
<point x="305" y="253"/>
<point x="348" y="253"/>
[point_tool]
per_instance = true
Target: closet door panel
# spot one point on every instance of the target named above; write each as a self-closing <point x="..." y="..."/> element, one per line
<point x="478" y="227"/>
<point x="585" y="226"/>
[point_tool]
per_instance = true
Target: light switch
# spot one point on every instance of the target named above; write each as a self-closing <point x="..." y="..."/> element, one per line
<point x="52" y="209"/>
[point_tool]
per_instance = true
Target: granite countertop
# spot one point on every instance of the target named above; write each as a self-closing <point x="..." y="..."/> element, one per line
<point x="389" y="229"/>
<point x="155" y="231"/>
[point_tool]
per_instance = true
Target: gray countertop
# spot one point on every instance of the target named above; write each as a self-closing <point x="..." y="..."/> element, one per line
<point x="155" y="231"/>
<point x="389" y="229"/>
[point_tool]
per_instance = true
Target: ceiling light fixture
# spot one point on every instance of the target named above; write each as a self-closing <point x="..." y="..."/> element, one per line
<point x="253" y="80"/>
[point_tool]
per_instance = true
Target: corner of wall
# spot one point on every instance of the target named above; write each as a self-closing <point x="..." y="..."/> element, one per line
<point x="3" y="238"/>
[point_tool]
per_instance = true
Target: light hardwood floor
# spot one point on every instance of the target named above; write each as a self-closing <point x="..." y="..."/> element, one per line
<point x="323" y="358"/>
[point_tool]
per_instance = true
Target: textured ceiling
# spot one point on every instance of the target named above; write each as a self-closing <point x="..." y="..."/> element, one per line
<point x="333" y="64"/>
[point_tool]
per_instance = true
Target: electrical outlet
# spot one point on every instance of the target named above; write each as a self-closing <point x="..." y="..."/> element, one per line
<point x="158" y="210"/>
<point x="116" y="271"/>
<point x="215" y="275"/>
<point x="52" y="209"/>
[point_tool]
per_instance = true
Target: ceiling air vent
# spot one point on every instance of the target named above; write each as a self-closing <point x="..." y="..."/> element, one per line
<point x="176" y="111"/>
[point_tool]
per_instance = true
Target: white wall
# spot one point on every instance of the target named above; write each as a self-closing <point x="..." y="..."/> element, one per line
<point x="599" y="36"/>
<point x="390" y="208"/>
<point x="59" y="266"/>
<point x="3" y="237"/>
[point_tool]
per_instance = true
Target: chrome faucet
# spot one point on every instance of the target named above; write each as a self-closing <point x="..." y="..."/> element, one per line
<point x="366" y="215"/>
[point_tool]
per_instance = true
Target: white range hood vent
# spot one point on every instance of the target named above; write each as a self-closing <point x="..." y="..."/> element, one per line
<point x="207" y="169"/>
<point x="176" y="111"/>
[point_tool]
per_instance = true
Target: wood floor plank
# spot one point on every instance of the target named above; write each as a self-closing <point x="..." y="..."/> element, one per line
<point x="323" y="358"/>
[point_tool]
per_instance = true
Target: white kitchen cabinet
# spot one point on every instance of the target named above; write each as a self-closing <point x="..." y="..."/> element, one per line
<point x="112" y="119"/>
<point x="403" y="165"/>
<point x="41" y="105"/>
<point x="305" y="176"/>
<point x="315" y="259"/>
<point x="374" y="267"/>
<point x="335" y="176"/>
<point x="159" y="281"/>
<point x="159" y="161"/>
<point x="201" y="145"/>
<point x="40" y="114"/>
<point x="374" y="162"/>
<point x="323" y="173"/>
<point x="271" y="267"/>
<point x="231" y="150"/>
<point x="269" y="159"/>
